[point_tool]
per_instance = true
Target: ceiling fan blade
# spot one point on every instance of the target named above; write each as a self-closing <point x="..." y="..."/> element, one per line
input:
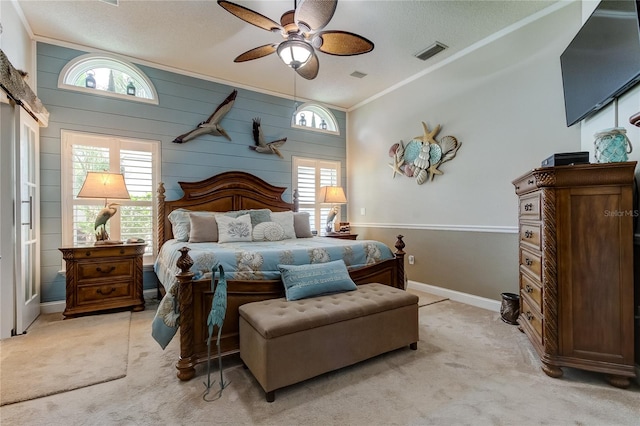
<point x="341" y="43"/>
<point x="250" y="16"/>
<point x="313" y="15"/>
<point x="310" y="69"/>
<point x="257" y="52"/>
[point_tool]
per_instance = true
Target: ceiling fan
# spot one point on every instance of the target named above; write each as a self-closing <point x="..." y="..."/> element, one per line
<point x="301" y="29"/>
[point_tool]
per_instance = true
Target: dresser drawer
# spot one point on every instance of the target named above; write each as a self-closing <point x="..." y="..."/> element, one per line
<point x="531" y="234"/>
<point x="112" y="269"/>
<point x="113" y="290"/>
<point x="525" y="184"/>
<point x="533" y="319"/>
<point x="531" y="262"/>
<point x="532" y="289"/>
<point x="530" y="206"/>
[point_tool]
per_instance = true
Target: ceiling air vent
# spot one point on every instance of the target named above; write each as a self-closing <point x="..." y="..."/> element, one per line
<point x="358" y="74"/>
<point x="436" y="47"/>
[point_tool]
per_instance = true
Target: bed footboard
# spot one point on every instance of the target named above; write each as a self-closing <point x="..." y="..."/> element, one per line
<point x="195" y="299"/>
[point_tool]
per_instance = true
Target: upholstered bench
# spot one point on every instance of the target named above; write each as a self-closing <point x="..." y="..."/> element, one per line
<point x="285" y="342"/>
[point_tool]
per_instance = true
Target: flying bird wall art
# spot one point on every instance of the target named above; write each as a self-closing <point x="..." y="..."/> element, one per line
<point x="262" y="146"/>
<point x="422" y="156"/>
<point x="212" y="125"/>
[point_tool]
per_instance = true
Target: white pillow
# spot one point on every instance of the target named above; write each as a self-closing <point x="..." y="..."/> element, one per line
<point x="268" y="231"/>
<point x="232" y="229"/>
<point x="179" y="219"/>
<point x="285" y="219"/>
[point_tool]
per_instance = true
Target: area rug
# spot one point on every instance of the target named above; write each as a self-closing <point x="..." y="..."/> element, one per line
<point x="425" y="299"/>
<point x="59" y="355"/>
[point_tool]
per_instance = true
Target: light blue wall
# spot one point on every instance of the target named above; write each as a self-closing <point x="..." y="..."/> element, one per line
<point x="183" y="103"/>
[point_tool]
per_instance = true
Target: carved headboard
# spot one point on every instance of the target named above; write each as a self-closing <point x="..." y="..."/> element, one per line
<point x="221" y="193"/>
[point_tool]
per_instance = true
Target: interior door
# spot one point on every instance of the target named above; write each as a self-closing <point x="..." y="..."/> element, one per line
<point x="27" y="213"/>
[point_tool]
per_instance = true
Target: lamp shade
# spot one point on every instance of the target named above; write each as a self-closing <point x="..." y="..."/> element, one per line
<point x="104" y="185"/>
<point x="332" y="195"/>
<point x="295" y="53"/>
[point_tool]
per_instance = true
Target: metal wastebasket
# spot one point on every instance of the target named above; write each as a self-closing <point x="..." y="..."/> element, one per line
<point x="510" y="308"/>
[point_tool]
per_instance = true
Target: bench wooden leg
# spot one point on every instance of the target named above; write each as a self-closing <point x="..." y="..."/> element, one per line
<point x="414" y="346"/>
<point x="270" y="396"/>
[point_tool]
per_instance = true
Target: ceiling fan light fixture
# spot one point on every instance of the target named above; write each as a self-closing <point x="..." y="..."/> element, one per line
<point x="295" y="53"/>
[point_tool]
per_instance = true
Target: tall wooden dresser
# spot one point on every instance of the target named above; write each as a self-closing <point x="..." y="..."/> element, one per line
<point x="576" y="267"/>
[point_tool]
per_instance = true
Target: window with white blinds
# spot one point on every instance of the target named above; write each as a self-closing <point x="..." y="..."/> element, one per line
<point x="308" y="176"/>
<point x="137" y="160"/>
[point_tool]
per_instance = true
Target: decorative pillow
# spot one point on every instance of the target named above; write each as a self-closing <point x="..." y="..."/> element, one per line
<point x="301" y="225"/>
<point x="257" y="215"/>
<point x="203" y="228"/>
<point x="268" y="231"/>
<point x="232" y="229"/>
<point x="315" y="279"/>
<point x="285" y="219"/>
<point x="179" y="219"/>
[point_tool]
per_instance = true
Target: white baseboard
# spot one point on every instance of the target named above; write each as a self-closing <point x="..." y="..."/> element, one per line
<point x="458" y="296"/>
<point x="58" y="306"/>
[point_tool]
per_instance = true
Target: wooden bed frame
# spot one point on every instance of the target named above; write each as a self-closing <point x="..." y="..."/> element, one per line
<point x="237" y="191"/>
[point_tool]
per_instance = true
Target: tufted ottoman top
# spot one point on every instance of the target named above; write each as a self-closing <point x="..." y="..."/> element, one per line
<point x="279" y="317"/>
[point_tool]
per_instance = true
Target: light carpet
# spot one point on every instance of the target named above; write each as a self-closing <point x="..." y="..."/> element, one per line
<point x="470" y="368"/>
<point x="59" y="355"/>
<point x="425" y="299"/>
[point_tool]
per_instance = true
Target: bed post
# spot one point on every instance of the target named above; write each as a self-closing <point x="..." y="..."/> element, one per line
<point x="186" y="363"/>
<point x="401" y="280"/>
<point x="160" y="225"/>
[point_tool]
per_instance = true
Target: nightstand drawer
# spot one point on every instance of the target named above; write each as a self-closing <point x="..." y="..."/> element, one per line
<point x="113" y="290"/>
<point x="112" y="269"/>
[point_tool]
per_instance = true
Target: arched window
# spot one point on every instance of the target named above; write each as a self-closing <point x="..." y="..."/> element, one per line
<point x="314" y="116"/>
<point x="107" y="76"/>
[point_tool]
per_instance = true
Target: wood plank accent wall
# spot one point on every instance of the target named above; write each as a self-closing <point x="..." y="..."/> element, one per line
<point x="184" y="102"/>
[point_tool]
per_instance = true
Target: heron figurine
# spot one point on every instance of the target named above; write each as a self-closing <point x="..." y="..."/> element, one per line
<point x="103" y="217"/>
<point x="216" y="319"/>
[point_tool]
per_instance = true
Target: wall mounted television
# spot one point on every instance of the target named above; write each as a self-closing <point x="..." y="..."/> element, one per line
<point x="603" y="59"/>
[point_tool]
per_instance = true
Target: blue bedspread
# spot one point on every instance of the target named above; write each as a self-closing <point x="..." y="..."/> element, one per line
<point x="259" y="260"/>
<point x="251" y="261"/>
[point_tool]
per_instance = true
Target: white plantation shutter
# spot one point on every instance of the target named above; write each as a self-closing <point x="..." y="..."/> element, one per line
<point x="137" y="160"/>
<point x="308" y="176"/>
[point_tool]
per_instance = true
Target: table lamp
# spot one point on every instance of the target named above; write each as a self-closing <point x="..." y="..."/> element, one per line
<point x="108" y="186"/>
<point x="332" y="195"/>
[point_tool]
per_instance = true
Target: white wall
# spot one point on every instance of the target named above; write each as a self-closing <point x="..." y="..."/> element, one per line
<point x="504" y="102"/>
<point x="16" y="43"/>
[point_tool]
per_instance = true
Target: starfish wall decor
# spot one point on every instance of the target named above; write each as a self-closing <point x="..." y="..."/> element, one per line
<point x="422" y="156"/>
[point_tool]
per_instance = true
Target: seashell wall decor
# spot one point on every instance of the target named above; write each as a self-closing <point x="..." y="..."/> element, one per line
<point x="422" y="156"/>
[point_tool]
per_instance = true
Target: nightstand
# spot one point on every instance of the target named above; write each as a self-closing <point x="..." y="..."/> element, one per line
<point x="105" y="277"/>
<point x="342" y="235"/>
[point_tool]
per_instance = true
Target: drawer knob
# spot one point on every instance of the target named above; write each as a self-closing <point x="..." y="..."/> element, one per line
<point x="528" y="207"/>
<point x="528" y="261"/>
<point x="88" y="253"/>
<point x="528" y="288"/>
<point x="121" y="251"/>
<point x="528" y="234"/>
<point x="110" y="270"/>
<point x="106" y="293"/>
<point x="528" y="315"/>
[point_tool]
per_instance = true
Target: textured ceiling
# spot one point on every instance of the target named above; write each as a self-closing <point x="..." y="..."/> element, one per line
<point x="201" y="37"/>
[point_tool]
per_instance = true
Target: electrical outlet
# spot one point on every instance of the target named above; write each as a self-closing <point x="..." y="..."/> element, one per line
<point x="412" y="259"/>
<point x="363" y="211"/>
